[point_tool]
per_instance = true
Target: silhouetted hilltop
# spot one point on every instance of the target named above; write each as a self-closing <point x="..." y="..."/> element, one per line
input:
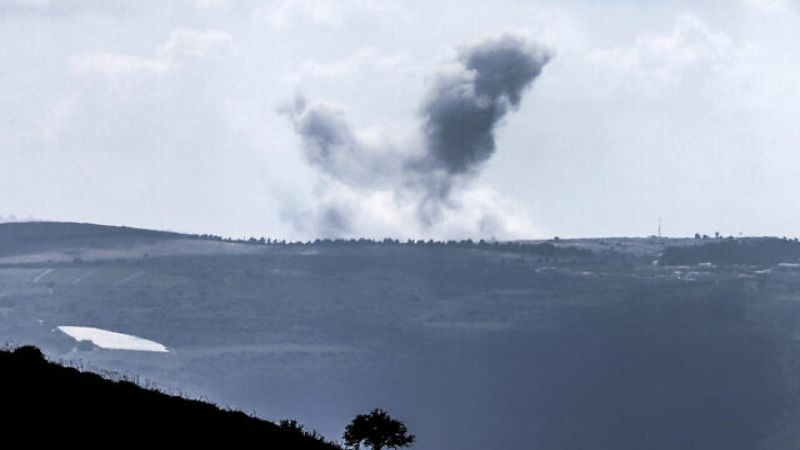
<point x="734" y="251"/>
<point x="44" y="401"/>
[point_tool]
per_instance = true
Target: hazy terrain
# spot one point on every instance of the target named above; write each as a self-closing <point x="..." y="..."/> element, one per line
<point x="475" y="347"/>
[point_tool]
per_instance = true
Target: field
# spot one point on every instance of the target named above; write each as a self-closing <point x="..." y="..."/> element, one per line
<point x="474" y="347"/>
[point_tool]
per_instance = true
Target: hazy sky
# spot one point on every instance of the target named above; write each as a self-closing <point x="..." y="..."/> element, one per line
<point x="187" y="115"/>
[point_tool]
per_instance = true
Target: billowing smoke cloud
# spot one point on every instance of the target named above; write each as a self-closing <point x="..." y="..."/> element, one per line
<point x="338" y="151"/>
<point x="469" y="98"/>
<point x="416" y="182"/>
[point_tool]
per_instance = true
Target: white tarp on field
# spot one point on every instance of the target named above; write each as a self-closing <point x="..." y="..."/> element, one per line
<point x="111" y="340"/>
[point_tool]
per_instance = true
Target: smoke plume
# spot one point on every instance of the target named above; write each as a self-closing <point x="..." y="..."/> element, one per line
<point x="469" y="98"/>
<point x="417" y="182"/>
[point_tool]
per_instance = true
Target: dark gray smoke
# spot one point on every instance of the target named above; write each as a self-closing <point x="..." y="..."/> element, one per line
<point x="331" y="144"/>
<point x="467" y="100"/>
<point x="326" y="134"/>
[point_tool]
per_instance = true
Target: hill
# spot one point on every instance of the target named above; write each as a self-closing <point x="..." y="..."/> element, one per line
<point x="751" y="251"/>
<point x="54" y="231"/>
<point x="44" y="401"/>
<point x="27" y="237"/>
<point x="565" y="344"/>
<point x="59" y="242"/>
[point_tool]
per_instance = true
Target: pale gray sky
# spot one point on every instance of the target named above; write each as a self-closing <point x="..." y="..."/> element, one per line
<point x="169" y="114"/>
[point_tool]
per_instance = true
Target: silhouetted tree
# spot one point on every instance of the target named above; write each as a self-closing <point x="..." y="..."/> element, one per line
<point x="291" y="426"/>
<point x="377" y="430"/>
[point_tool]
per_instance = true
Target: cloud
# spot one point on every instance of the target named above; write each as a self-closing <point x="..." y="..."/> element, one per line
<point x="325" y="11"/>
<point x="769" y="6"/>
<point x="656" y="61"/>
<point x="58" y="116"/>
<point x="334" y="13"/>
<point x="369" y="58"/>
<point x="121" y="8"/>
<point x="181" y="46"/>
<point x="113" y="64"/>
<point x="63" y="7"/>
<point x="420" y="179"/>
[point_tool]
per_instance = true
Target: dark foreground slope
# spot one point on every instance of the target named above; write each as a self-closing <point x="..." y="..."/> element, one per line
<point x="42" y="400"/>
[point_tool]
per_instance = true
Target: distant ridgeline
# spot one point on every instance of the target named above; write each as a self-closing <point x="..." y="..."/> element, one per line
<point x="734" y="251"/>
<point x="19" y="237"/>
<point x="545" y="249"/>
<point x="45" y="402"/>
<point x="29" y="231"/>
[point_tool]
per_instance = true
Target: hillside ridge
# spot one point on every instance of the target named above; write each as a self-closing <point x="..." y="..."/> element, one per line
<point x="68" y="405"/>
